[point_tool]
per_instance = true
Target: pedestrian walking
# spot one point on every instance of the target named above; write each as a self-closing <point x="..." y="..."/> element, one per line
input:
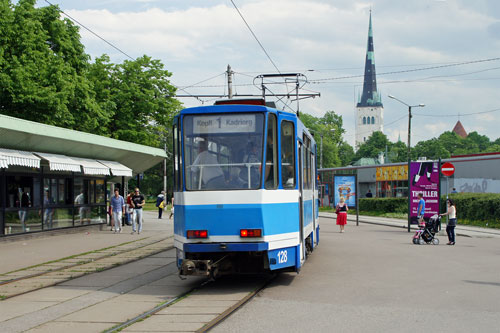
<point x="421" y="210"/>
<point x="138" y="202"/>
<point x="160" y="203"/>
<point x="171" y="209"/>
<point x="342" y="214"/>
<point x="118" y="208"/>
<point x="130" y="209"/>
<point x="452" y="221"/>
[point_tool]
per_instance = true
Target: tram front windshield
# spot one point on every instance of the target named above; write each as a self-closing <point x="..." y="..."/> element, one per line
<point x="223" y="151"/>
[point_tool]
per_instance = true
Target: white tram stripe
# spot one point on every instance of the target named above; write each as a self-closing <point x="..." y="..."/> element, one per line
<point x="236" y="197"/>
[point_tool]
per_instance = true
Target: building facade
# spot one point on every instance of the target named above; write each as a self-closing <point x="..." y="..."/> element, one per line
<point x="369" y="110"/>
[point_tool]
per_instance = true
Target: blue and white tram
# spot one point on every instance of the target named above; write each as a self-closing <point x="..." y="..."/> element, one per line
<point x="245" y="190"/>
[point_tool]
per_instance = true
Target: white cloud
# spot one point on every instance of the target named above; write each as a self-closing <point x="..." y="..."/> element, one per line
<point x="197" y="40"/>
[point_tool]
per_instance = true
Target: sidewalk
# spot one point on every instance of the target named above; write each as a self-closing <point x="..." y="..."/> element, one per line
<point x="66" y="256"/>
<point x="460" y="230"/>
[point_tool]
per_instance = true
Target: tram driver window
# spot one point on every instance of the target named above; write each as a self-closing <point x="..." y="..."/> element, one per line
<point x="287" y="154"/>
<point x="271" y="174"/>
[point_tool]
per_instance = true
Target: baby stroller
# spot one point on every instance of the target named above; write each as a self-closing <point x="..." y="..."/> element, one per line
<point x="427" y="232"/>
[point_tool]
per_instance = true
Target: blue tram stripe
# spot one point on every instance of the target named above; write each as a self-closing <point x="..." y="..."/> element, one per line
<point x="229" y="247"/>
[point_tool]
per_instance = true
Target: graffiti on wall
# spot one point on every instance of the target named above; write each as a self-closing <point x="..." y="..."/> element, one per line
<point x="477" y="185"/>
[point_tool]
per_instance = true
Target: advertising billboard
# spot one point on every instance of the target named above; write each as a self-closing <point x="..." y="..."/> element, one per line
<point x="387" y="173"/>
<point x="345" y="186"/>
<point x="424" y="178"/>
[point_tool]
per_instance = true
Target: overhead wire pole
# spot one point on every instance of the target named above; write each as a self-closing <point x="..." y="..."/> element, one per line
<point x="229" y="82"/>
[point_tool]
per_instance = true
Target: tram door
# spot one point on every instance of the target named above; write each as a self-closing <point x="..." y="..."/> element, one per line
<point x="301" y="200"/>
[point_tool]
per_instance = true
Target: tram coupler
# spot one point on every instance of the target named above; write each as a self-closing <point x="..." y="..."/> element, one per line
<point x="196" y="267"/>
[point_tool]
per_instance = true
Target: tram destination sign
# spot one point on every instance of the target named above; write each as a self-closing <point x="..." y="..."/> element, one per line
<point x="233" y="123"/>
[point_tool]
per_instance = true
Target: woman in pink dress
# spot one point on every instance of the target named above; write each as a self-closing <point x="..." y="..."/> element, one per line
<point x="342" y="214"/>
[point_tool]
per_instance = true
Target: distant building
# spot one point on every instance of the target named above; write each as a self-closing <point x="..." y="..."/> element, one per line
<point x="369" y="110"/>
<point x="459" y="130"/>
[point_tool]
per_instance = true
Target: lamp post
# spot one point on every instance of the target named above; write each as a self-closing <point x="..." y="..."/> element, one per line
<point x="409" y="147"/>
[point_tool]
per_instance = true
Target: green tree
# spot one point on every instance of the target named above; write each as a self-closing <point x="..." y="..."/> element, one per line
<point x="432" y="149"/>
<point x="137" y="97"/>
<point x="328" y="129"/>
<point x="346" y="154"/>
<point x="372" y="147"/>
<point x="453" y="143"/>
<point x="43" y="68"/>
<point x="398" y="152"/>
<point x="482" y="142"/>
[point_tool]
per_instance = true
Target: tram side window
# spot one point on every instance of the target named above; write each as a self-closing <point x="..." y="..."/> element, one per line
<point x="287" y="154"/>
<point x="271" y="174"/>
<point x="307" y="163"/>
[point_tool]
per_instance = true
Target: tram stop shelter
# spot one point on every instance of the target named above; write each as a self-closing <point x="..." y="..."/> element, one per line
<point x="54" y="178"/>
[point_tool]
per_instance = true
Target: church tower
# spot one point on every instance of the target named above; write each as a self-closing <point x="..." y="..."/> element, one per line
<point x="369" y="110"/>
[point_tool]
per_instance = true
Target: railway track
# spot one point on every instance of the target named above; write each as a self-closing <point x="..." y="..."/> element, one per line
<point x="51" y="273"/>
<point x="188" y="304"/>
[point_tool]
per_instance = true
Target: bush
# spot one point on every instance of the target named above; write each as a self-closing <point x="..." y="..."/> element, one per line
<point x="384" y="205"/>
<point x="479" y="209"/>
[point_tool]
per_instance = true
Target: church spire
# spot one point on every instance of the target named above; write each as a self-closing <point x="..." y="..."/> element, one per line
<point x="370" y="96"/>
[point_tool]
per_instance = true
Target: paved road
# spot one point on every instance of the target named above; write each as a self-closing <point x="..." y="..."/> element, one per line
<point x="372" y="279"/>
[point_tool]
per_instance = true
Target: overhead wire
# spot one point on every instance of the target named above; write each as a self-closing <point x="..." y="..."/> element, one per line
<point x="89" y="30"/>
<point x="318" y="81"/>
<point x="253" y="34"/>
<point x="454" y="115"/>
<point x="110" y="44"/>
<point x="425" y="79"/>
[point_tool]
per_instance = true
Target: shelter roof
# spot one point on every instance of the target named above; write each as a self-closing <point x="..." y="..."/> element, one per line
<point x="25" y="135"/>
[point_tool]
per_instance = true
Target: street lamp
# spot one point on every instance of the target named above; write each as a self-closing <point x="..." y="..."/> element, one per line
<point x="409" y="158"/>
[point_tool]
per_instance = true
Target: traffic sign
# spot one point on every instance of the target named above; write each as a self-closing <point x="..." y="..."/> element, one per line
<point x="447" y="169"/>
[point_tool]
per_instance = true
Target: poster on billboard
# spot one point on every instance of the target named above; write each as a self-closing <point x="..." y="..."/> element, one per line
<point x="424" y="178"/>
<point x="345" y="186"/>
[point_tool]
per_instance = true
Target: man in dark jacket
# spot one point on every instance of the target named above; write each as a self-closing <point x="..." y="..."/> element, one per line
<point x="160" y="203"/>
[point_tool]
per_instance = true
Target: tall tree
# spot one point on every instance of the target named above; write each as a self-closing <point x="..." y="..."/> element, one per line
<point x="376" y="144"/>
<point x="137" y="95"/>
<point x="328" y="129"/>
<point x="43" y="68"/>
<point x="432" y="149"/>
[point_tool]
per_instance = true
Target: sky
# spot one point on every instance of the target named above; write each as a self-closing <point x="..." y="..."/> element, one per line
<point x="441" y="53"/>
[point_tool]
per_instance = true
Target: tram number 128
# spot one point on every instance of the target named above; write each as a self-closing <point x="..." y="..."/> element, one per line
<point x="282" y="256"/>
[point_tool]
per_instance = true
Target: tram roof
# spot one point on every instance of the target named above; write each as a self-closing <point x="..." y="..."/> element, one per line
<point x="229" y="108"/>
<point x="25" y="135"/>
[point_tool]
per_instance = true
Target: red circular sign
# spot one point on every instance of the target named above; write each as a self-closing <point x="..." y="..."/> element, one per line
<point x="447" y="169"/>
